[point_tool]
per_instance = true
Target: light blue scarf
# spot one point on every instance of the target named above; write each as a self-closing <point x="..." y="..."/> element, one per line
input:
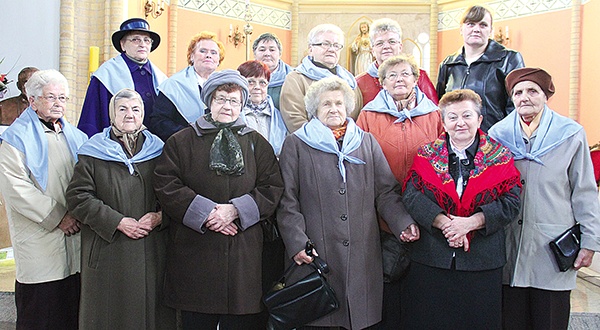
<point x="373" y="70"/>
<point x="553" y="130"/>
<point x="384" y="103"/>
<point x="102" y="147"/>
<point x="114" y="74"/>
<point x="315" y="73"/>
<point x="277" y="129"/>
<point x="318" y="136"/>
<point x="182" y="89"/>
<point x="278" y="76"/>
<point x="27" y="135"/>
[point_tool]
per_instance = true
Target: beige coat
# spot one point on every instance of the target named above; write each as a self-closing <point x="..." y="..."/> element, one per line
<point x="43" y="252"/>
<point x="554" y="197"/>
<point x="292" y="105"/>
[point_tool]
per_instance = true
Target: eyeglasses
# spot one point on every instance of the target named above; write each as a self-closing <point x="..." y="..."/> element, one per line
<point x="261" y="83"/>
<point x="391" y="42"/>
<point x="393" y="76"/>
<point x="53" y="99"/>
<point x="138" y="41"/>
<point x="327" y="45"/>
<point x="222" y="100"/>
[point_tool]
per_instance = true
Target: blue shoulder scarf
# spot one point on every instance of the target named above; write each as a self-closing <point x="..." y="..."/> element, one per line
<point x="553" y="130"/>
<point x="373" y="70"/>
<point x="318" y="136"/>
<point x="313" y="72"/>
<point x="278" y="76"/>
<point x="277" y="129"/>
<point x="27" y="135"/>
<point x="102" y="147"/>
<point x="114" y="74"/>
<point x="384" y="103"/>
<point x="182" y="89"/>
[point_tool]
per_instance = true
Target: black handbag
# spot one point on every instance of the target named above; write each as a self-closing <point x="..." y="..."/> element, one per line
<point x="292" y="305"/>
<point x="566" y="247"/>
<point x="395" y="258"/>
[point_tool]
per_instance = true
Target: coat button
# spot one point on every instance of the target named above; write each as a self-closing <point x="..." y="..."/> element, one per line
<point x="345" y="242"/>
<point x="342" y="191"/>
<point x="344" y="217"/>
<point x="142" y="72"/>
<point x="522" y="181"/>
<point x="148" y="95"/>
<point x="520" y="222"/>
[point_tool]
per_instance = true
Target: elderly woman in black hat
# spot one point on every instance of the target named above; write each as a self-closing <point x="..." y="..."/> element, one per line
<point x="215" y="181"/>
<point x="559" y="190"/>
<point x="131" y="69"/>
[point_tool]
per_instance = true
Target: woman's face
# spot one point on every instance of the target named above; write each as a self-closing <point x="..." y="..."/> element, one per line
<point x="137" y="45"/>
<point x="268" y="53"/>
<point x="326" y="55"/>
<point x="477" y="34"/>
<point x="205" y="57"/>
<point x="399" y="81"/>
<point x="258" y="89"/>
<point x="49" y="106"/>
<point x="128" y="115"/>
<point x="225" y="107"/>
<point x="332" y="109"/>
<point x="461" y="121"/>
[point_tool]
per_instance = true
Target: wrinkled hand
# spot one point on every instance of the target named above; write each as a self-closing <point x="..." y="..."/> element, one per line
<point x="584" y="259"/>
<point x="69" y="225"/>
<point x="229" y="230"/>
<point x="457" y="227"/>
<point x="221" y="216"/>
<point x="303" y="258"/>
<point x="153" y="219"/>
<point x="411" y="233"/>
<point x="459" y="242"/>
<point x="133" y="229"/>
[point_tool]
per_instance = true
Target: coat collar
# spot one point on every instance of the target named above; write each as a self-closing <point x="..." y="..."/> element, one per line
<point x="494" y="52"/>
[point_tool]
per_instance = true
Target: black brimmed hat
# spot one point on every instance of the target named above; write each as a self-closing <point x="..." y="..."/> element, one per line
<point x="131" y="25"/>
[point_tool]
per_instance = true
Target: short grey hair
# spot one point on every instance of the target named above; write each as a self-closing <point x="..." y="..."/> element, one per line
<point x="329" y="84"/>
<point x="395" y="60"/>
<point x="43" y="78"/>
<point x="267" y="36"/>
<point x="322" y="28"/>
<point x="384" y="25"/>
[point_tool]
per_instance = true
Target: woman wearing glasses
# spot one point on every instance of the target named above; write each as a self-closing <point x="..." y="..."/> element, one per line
<point x="325" y="42"/>
<point x="178" y="104"/>
<point x="215" y="181"/>
<point x="131" y="69"/>
<point x="402" y="119"/>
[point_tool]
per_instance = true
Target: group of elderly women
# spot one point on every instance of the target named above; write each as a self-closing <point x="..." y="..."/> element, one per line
<point x="178" y="225"/>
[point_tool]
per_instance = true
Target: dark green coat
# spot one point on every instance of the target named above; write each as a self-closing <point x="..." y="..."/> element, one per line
<point x="121" y="278"/>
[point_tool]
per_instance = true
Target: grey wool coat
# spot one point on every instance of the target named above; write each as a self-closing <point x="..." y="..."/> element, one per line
<point x="341" y="219"/>
<point x="121" y="278"/>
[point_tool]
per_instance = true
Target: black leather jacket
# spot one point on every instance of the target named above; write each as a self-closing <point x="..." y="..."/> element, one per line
<point x="485" y="77"/>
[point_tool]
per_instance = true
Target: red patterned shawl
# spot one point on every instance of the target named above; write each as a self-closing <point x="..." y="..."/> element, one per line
<point x="494" y="174"/>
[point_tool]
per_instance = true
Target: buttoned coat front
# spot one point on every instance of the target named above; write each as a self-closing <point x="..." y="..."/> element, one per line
<point x="555" y="195"/>
<point x="341" y="219"/>
<point x="209" y="272"/>
<point x="121" y="278"/>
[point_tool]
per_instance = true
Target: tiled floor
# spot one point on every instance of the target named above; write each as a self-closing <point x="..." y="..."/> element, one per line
<point x="585" y="300"/>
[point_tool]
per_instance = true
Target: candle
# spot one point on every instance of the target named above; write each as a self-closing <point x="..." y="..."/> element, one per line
<point x="506" y="30"/>
<point x="247" y="2"/>
<point x="94" y="58"/>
